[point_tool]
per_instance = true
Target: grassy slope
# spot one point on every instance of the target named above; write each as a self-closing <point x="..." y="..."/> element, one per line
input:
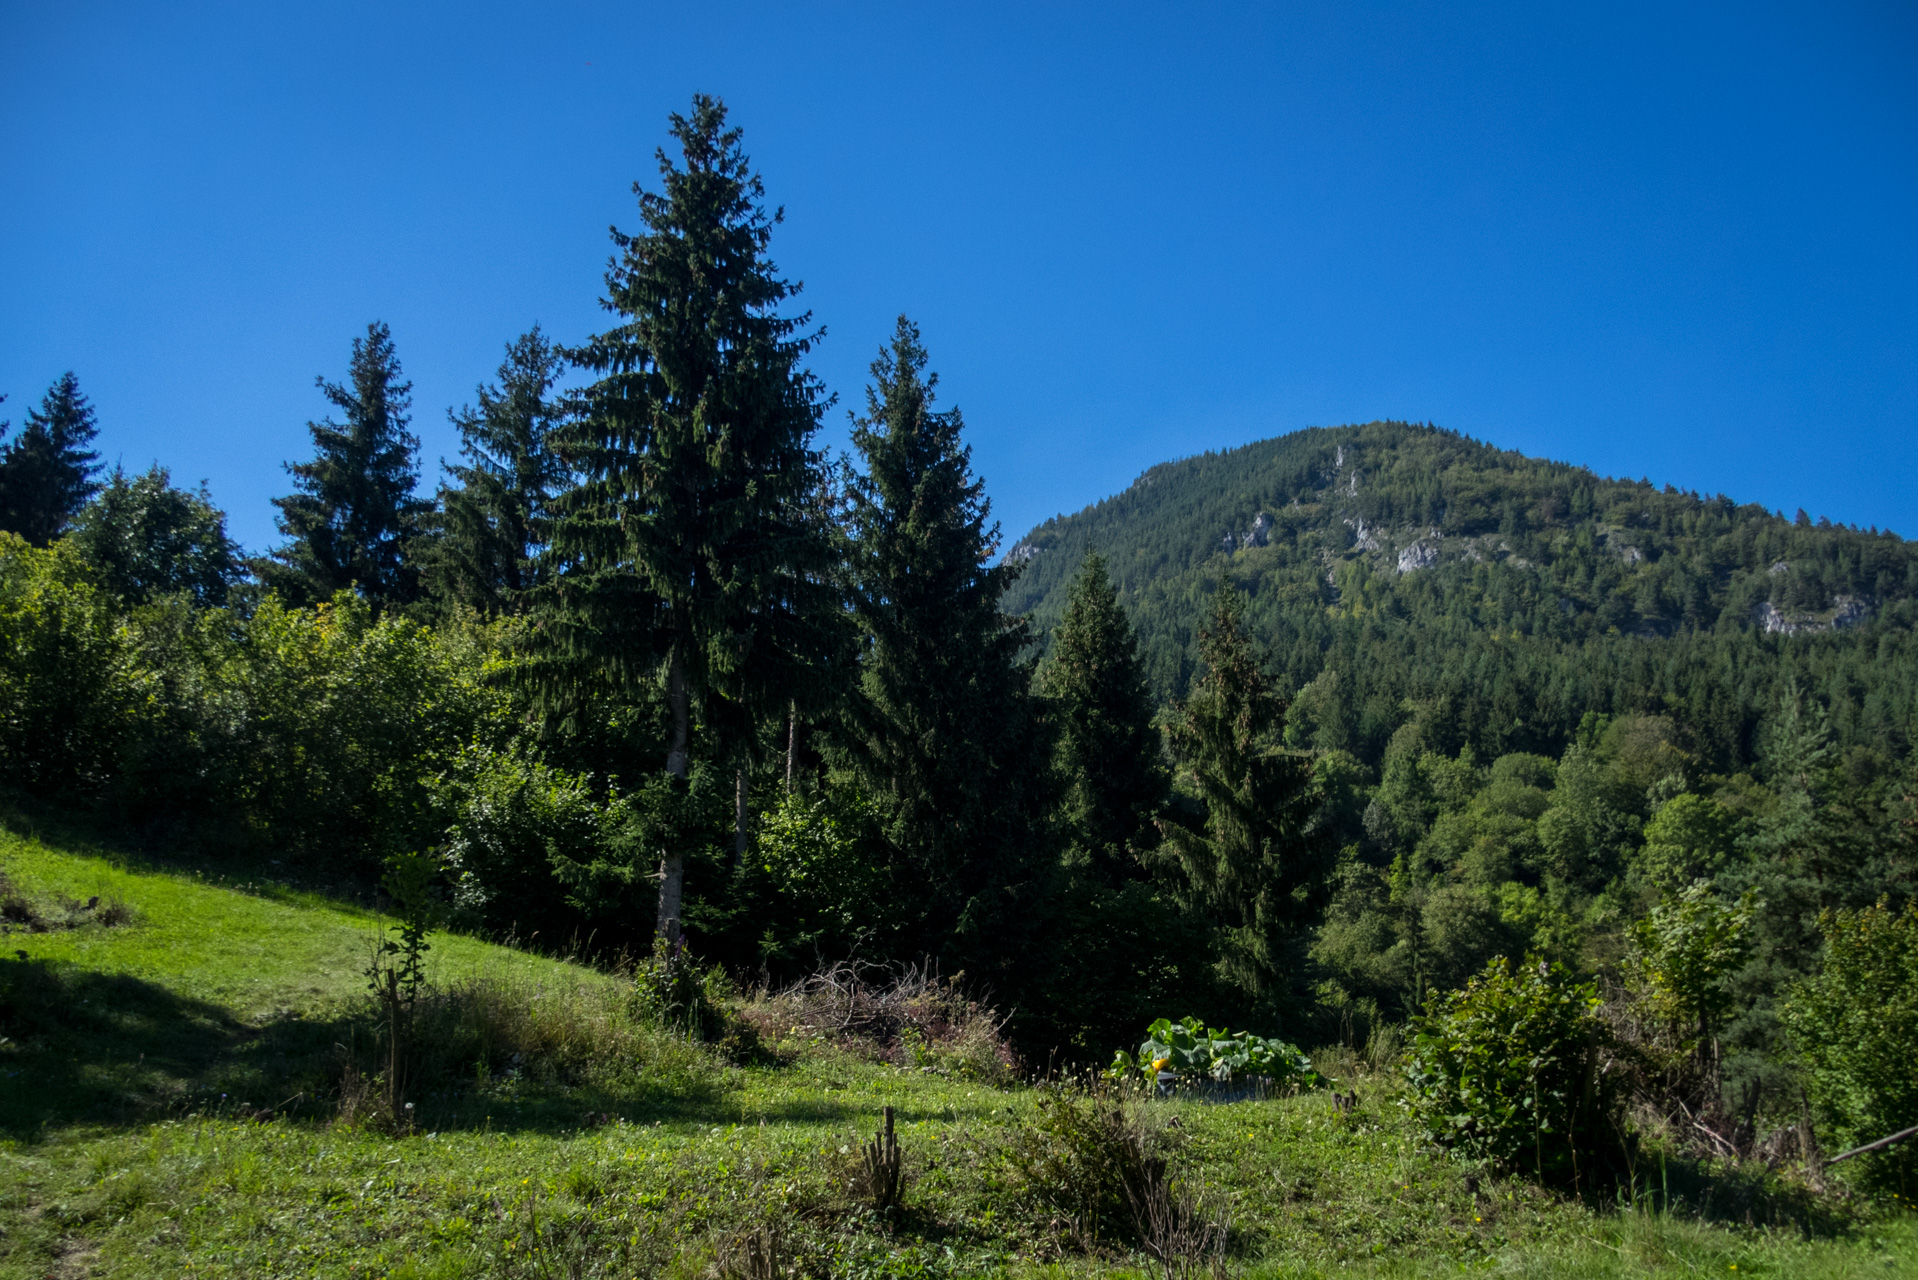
<point x="256" y="949"/>
<point x="123" y="1166"/>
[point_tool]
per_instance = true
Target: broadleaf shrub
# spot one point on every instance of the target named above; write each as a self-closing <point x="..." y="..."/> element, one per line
<point x="72" y="696"/>
<point x="1513" y="1069"/>
<point x="512" y="820"/>
<point x="1856" y="1027"/>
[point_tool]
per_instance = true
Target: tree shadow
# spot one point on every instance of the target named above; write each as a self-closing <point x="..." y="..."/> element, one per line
<point x="1723" y="1193"/>
<point x="165" y="848"/>
<point x="82" y="1047"/>
<point x="824" y="1111"/>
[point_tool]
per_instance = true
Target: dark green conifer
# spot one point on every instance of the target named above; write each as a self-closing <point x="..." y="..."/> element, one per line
<point x="945" y="731"/>
<point x="354" y="514"/>
<point x="146" y="538"/>
<point x="691" y="550"/>
<point x="493" y="518"/>
<point x="47" y="474"/>
<point x="1108" y="747"/>
<point x="1254" y="861"/>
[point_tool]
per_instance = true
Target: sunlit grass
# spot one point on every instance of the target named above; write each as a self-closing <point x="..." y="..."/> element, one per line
<point x="123" y="1159"/>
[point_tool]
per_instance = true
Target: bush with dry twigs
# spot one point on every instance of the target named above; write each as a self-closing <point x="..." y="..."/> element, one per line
<point x="911" y="1017"/>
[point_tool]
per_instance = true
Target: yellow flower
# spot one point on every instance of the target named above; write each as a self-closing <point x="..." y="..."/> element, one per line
<point x="1158" y="1064"/>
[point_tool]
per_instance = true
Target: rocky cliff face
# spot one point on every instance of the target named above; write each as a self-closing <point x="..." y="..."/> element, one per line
<point x="1845" y="612"/>
<point x="1419" y="555"/>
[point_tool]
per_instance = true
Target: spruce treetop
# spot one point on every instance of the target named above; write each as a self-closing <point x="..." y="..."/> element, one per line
<point x="47" y="474"/>
<point x="920" y="513"/>
<point x="698" y="478"/>
<point x="494" y="522"/>
<point x="354" y="510"/>
<point x="1108" y="744"/>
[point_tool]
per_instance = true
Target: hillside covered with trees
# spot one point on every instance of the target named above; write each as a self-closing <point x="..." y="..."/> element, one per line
<point x="1336" y="737"/>
<point x="1392" y="566"/>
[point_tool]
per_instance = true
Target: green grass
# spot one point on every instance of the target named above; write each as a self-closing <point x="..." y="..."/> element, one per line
<point x="121" y="1158"/>
<point x="257" y="948"/>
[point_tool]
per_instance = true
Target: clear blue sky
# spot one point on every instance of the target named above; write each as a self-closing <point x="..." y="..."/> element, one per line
<point x="1672" y="241"/>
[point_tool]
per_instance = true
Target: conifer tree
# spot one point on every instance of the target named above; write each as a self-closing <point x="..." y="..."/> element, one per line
<point x="1254" y="861"/>
<point x="47" y="474"/>
<point x="1108" y="747"/>
<point x="945" y="730"/>
<point x="691" y="550"/>
<point x="354" y="513"/>
<point x="493" y="518"/>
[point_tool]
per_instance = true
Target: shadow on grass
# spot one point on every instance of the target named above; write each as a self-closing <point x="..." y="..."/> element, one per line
<point x="862" y="1115"/>
<point x="1723" y="1193"/>
<point x="79" y="1047"/>
<point x="171" y="848"/>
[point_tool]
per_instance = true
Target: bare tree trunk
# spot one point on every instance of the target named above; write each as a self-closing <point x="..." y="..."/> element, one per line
<point x="672" y="863"/>
<point x="739" y="818"/>
<point x="792" y="744"/>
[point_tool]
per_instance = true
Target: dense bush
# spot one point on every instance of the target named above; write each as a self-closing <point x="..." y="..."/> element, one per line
<point x="817" y="853"/>
<point x="317" y="730"/>
<point x="1856" y="1025"/>
<point x="1686" y="951"/>
<point x="672" y="989"/>
<point x="511" y="819"/>
<point x="346" y="718"/>
<point x="71" y="693"/>
<point x="1512" y="1069"/>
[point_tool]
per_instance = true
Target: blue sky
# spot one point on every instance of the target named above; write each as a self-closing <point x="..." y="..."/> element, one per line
<point x="1670" y="241"/>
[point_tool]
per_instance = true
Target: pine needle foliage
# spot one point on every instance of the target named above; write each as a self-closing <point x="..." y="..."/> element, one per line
<point x="692" y="545"/>
<point x="1253" y="860"/>
<point x="47" y="474"/>
<point x="1108" y="747"/>
<point x="494" y="520"/>
<point x="945" y="729"/>
<point x="353" y="512"/>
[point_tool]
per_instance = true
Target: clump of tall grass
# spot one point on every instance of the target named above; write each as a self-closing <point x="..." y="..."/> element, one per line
<point x="1095" y="1160"/>
<point x="507" y="1027"/>
<point x="576" y="1030"/>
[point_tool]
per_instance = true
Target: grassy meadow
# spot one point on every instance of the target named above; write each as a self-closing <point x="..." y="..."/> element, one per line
<point x="173" y="1082"/>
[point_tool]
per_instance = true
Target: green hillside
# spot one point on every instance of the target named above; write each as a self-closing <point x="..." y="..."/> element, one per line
<point x="170" y="1104"/>
<point x="1503" y="596"/>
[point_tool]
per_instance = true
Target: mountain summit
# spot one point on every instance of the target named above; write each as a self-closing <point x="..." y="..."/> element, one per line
<point x="1396" y="570"/>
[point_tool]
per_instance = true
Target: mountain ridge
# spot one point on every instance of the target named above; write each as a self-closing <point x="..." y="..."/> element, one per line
<point x="1391" y="536"/>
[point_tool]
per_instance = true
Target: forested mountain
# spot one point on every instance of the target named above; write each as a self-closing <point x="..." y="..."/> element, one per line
<point x="1330" y="726"/>
<point x="1394" y="569"/>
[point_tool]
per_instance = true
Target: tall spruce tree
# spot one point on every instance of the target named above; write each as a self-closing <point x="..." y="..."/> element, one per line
<point x="1108" y="747"/>
<point x="47" y="474"/>
<point x="946" y="731"/>
<point x="493" y="518"/>
<point x="355" y="513"/>
<point x="691" y="551"/>
<point x="1254" y="860"/>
